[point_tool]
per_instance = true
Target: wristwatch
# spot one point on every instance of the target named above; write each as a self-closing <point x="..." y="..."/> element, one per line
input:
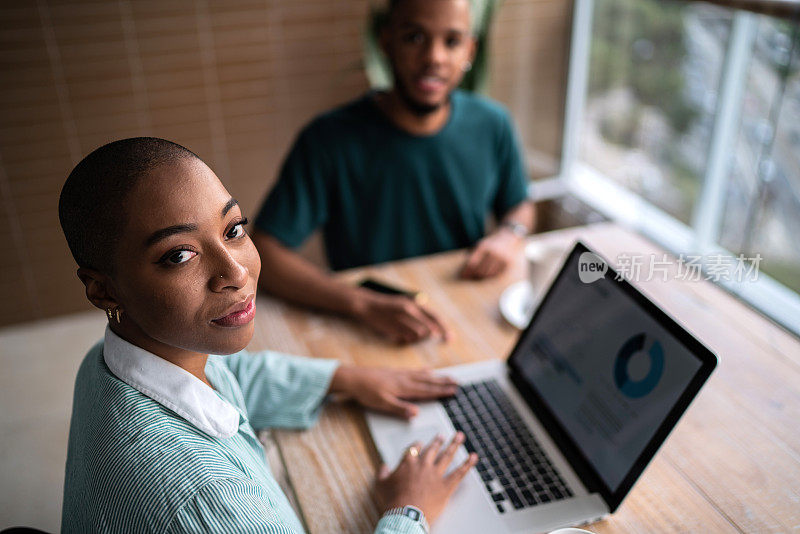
<point x="518" y="229"/>
<point x="413" y="513"/>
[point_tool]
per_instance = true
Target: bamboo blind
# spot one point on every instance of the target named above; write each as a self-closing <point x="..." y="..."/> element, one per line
<point x="232" y="80"/>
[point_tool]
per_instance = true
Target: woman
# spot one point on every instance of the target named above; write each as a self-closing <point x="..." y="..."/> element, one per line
<point x="161" y="437"/>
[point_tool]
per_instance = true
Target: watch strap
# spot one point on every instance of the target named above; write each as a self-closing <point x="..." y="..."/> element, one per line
<point x="411" y="512"/>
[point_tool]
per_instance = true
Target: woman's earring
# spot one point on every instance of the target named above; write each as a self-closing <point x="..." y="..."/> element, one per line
<point x="118" y="313"/>
<point x="108" y="314"/>
<point x="467" y="66"/>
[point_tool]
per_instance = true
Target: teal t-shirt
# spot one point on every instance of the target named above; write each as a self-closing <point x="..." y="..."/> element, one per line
<point x="381" y="194"/>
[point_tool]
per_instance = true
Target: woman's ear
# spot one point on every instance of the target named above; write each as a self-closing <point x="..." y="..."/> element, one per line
<point x="98" y="288"/>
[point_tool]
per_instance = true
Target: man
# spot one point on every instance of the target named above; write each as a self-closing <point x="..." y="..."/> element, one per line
<point x="411" y="171"/>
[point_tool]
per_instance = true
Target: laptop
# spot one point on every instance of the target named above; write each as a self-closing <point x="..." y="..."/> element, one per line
<point x="567" y="424"/>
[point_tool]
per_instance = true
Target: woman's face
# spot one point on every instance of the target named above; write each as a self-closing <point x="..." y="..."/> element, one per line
<point x="186" y="270"/>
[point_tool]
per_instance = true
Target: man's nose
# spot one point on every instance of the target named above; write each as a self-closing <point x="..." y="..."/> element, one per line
<point x="436" y="52"/>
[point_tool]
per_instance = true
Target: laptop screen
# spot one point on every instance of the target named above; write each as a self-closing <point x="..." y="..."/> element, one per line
<point x="609" y="370"/>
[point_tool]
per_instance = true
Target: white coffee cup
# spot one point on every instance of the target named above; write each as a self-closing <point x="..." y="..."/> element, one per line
<point x="544" y="259"/>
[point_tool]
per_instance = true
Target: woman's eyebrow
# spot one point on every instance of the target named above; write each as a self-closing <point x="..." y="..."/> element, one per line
<point x="228" y="205"/>
<point x="164" y="233"/>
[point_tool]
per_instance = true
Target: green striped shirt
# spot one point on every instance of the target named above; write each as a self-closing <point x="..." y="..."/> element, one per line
<point x="154" y="449"/>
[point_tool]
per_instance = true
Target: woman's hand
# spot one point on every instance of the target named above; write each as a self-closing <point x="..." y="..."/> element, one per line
<point x="420" y="478"/>
<point x="389" y="390"/>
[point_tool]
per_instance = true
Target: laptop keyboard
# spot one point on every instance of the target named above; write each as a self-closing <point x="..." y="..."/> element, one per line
<point x="515" y="470"/>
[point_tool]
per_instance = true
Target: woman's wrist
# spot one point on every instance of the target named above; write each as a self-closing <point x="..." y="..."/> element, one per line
<point x="341" y="382"/>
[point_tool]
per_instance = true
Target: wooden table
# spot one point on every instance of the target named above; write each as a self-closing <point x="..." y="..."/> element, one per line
<point x="731" y="465"/>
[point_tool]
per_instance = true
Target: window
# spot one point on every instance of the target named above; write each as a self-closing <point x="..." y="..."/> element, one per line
<point x="654" y="69"/>
<point x="683" y="120"/>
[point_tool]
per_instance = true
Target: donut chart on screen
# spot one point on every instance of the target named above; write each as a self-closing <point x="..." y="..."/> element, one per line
<point x="636" y="344"/>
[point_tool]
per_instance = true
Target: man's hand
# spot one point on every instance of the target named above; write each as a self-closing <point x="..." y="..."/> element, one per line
<point x="420" y="478"/>
<point x="389" y="390"/>
<point x="492" y="255"/>
<point x="398" y="318"/>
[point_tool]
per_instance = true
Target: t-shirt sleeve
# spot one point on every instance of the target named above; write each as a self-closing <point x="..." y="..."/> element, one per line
<point x="298" y="204"/>
<point x="230" y="506"/>
<point x="512" y="179"/>
<point x="281" y="390"/>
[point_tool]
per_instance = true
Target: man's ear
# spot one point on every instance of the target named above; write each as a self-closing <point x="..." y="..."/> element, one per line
<point x="98" y="288"/>
<point x="473" y="48"/>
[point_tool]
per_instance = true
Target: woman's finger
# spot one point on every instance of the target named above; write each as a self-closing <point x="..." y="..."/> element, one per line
<point x="426" y="375"/>
<point x="412" y="452"/>
<point x="399" y="407"/>
<point x="430" y="452"/>
<point x="419" y="390"/>
<point x="383" y="472"/>
<point x="458" y="474"/>
<point x="446" y="457"/>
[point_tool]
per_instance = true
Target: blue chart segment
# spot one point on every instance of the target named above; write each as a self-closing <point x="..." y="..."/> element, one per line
<point x="636" y="344"/>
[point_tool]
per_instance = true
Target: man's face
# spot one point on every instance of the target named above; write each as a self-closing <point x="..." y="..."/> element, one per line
<point x="428" y="43"/>
<point x="186" y="270"/>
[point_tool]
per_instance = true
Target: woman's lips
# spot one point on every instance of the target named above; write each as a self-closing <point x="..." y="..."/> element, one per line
<point x="238" y="318"/>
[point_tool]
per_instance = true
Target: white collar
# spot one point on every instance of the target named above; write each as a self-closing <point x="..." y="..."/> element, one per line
<point x="171" y="386"/>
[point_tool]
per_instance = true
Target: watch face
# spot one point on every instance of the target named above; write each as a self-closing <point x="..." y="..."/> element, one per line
<point x="411" y="513"/>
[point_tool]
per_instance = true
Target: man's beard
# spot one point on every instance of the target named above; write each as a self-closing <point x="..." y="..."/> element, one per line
<point x="417" y="108"/>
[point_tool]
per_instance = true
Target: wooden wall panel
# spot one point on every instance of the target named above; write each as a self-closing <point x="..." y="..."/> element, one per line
<point x="234" y="81"/>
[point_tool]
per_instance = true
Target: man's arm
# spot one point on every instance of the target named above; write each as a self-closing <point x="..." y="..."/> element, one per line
<point x="496" y="251"/>
<point x="523" y="214"/>
<point x="287" y="275"/>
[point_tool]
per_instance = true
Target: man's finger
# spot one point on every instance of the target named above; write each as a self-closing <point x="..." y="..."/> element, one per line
<point x="392" y="330"/>
<point x="437" y="323"/>
<point x="498" y="266"/>
<point x="475" y="257"/>
<point x="483" y="267"/>
<point x="414" y="328"/>
<point x="431" y="325"/>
